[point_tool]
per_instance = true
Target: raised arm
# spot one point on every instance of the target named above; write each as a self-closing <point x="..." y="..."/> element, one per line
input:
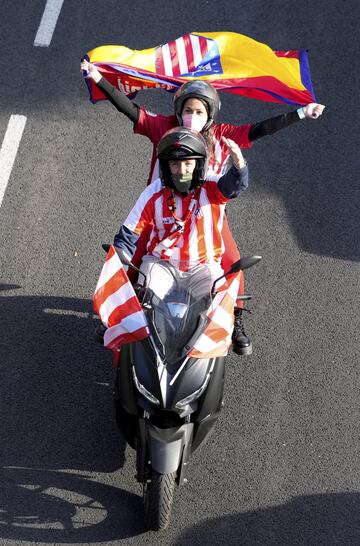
<point x="272" y="125"/>
<point x="114" y="95"/>
<point x="236" y="180"/>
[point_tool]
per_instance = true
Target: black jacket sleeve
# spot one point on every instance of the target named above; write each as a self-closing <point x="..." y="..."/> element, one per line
<point x="126" y="240"/>
<point x="119" y="100"/>
<point x="232" y="183"/>
<point x="272" y="125"/>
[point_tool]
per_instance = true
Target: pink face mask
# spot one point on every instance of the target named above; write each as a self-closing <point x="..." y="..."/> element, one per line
<point x="193" y="121"/>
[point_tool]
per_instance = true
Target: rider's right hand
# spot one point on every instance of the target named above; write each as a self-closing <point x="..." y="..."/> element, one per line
<point x="92" y="71"/>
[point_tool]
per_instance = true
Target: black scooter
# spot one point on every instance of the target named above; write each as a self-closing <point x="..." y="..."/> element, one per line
<point x="166" y="401"/>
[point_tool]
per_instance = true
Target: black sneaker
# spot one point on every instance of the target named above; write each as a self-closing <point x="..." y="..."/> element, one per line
<point x="242" y="344"/>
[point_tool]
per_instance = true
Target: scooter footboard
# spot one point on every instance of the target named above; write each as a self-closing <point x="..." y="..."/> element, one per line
<point x="169" y="447"/>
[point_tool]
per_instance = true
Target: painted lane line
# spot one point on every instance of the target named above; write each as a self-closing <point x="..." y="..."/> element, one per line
<point x="9" y="150"/>
<point x="48" y="23"/>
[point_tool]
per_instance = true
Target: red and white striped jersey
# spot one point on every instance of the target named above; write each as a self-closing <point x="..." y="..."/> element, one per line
<point x="201" y="240"/>
<point x="154" y="126"/>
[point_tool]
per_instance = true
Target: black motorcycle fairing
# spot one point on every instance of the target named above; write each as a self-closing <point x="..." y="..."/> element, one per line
<point x="190" y="379"/>
<point x="211" y="400"/>
<point x="127" y="423"/>
<point x="125" y="390"/>
<point x="174" y="389"/>
<point x="144" y="360"/>
<point x="209" y="405"/>
<point x="166" y="446"/>
<point x="139" y="356"/>
<point x="141" y="451"/>
<point x="150" y="438"/>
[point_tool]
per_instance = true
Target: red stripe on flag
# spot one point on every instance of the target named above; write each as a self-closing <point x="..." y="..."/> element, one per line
<point x="122" y="339"/>
<point x="110" y="253"/>
<point x="159" y="61"/>
<point x="189" y="52"/>
<point x="291" y="54"/>
<point x="115" y="283"/>
<point x="131" y="306"/>
<point x="262" y="87"/>
<point x="227" y="302"/>
<point x="174" y="58"/>
<point x="215" y="332"/>
<point x="203" y="46"/>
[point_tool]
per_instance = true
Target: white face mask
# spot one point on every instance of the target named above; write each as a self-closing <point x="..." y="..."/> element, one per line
<point x="193" y="121"/>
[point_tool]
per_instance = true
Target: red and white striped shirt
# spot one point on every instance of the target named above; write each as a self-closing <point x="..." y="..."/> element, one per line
<point x="201" y="240"/>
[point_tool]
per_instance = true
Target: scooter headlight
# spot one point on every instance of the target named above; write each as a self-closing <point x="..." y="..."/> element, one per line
<point x="142" y="390"/>
<point x="194" y="396"/>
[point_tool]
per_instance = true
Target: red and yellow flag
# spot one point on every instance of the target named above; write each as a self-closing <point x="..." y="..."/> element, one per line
<point x="229" y="61"/>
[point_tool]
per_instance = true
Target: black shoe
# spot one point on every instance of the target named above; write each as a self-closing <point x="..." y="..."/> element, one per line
<point x="242" y="344"/>
<point x="99" y="333"/>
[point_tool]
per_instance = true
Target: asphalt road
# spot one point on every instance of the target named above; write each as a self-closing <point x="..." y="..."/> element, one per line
<point x="282" y="467"/>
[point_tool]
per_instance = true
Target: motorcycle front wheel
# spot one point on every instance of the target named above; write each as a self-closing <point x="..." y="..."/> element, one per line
<point x="158" y="499"/>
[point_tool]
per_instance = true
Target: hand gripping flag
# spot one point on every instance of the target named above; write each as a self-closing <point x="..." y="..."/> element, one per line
<point x="229" y="61"/>
<point x="216" y="338"/>
<point x="116" y="304"/>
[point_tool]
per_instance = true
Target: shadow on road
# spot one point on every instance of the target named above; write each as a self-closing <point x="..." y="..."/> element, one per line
<point x="314" y="520"/>
<point x="56" y="413"/>
<point x="56" y="399"/>
<point x="57" y="507"/>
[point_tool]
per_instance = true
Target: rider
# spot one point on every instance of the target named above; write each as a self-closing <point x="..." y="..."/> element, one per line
<point x="185" y="208"/>
<point x="196" y="105"/>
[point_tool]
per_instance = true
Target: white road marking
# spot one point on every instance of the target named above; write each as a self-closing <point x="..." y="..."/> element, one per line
<point x="48" y="23"/>
<point x="9" y="150"/>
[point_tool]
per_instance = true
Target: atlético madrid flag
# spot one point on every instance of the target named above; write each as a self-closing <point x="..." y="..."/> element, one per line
<point x="230" y="62"/>
<point x="216" y="338"/>
<point x="116" y="304"/>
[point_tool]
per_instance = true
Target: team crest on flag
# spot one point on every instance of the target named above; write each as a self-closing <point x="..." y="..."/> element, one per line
<point x="189" y="56"/>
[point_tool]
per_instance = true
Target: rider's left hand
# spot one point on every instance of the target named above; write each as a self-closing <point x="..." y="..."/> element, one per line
<point x="313" y="110"/>
<point x="235" y="152"/>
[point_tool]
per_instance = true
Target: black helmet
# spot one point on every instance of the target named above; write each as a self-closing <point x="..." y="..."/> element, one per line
<point x="178" y="144"/>
<point x="198" y="89"/>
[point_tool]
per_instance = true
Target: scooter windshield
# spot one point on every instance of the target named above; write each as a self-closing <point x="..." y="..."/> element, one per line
<point x="176" y="303"/>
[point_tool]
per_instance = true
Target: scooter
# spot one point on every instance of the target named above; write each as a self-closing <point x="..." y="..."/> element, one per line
<point x="166" y="400"/>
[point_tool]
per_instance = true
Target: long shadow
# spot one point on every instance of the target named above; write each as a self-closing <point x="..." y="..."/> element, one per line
<point x="56" y="507"/>
<point x="56" y="399"/>
<point x="57" y="426"/>
<point x="312" y="520"/>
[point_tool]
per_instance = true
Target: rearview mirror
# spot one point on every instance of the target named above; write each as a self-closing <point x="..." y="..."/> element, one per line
<point x="243" y="263"/>
<point x="240" y="265"/>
